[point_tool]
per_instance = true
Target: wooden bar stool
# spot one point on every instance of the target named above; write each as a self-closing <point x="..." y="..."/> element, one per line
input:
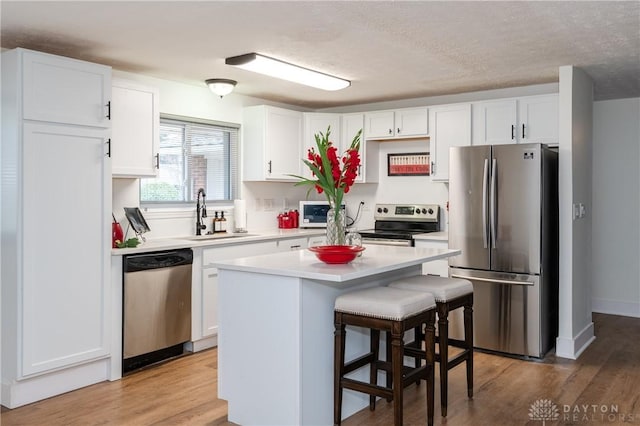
<point x="450" y="294"/>
<point x="393" y="311"/>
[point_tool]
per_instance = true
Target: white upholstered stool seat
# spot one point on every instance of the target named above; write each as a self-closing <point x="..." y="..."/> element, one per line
<point x="442" y="288"/>
<point x="385" y="303"/>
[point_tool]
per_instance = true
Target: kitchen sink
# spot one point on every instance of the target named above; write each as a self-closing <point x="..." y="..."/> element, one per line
<point x="217" y="236"/>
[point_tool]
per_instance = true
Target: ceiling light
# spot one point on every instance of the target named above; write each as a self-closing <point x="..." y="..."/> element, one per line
<point x="279" y="69"/>
<point x="221" y="86"/>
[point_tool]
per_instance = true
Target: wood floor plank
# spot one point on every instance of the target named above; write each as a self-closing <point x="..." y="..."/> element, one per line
<point x="184" y="391"/>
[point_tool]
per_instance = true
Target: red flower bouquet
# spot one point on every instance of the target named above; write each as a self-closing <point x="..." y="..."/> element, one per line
<point x="334" y="176"/>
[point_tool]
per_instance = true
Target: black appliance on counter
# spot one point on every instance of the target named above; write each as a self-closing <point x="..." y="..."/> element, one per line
<point x="396" y="224"/>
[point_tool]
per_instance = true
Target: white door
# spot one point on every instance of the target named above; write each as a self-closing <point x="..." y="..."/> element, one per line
<point x="538" y="118"/>
<point x="379" y="124"/>
<point x="135" y="129"/>
<point x="494" y="122"/>
<point x="351" y="125"/>
<point x="450" y="126"/>
<point x="316" y="123"/>
<point x="412" y="122"/>
<point x="209" y="302"/>
<point x="64" y="90"/>
<point x="284" y="133"/>
<point x="66" y="246"/>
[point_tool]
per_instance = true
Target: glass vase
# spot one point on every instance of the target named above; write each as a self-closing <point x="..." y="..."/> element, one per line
<point x="336" y="226"/>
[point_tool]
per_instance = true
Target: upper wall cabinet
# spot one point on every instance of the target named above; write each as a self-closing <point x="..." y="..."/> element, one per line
<point x="135" y="129"/>
<point x="63" y="90"/>
<point x="450" y="126"/>
<point x="538" y="120"/>
<point x="402" y="123"/>
<point x="314" y="123"/>
<point x="519" y="120"/>
<point x="271" y="143"/>
<point x="369" y="150"/>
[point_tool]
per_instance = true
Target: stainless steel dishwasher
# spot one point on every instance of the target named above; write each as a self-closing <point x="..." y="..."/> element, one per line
<point x="156" y="307"/>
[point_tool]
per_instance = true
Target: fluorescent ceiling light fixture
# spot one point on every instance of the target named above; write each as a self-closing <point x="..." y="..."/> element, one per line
<point x="221" y="86"/>
<point x="286" y="71"/>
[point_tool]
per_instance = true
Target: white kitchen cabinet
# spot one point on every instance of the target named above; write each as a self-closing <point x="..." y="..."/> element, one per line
<point x="369" y="151"/>
<point x="495" y="122"/>
<point x="435" y="267"/>
<point x="135" y="127"/>
<point x="402" y="123"/>
<point x="450" y="126"/>
<point x="271" y="143"/>
<point x="63" y="90"/>
<point x="538" y="119"/>
<point x="528" y="119"/>
<point x="56" y="261"/>
<point x="314" y="123"/>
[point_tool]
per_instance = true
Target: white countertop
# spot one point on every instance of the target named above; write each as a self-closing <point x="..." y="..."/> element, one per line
<point x="433" y="236"/>
<point x="375" y="259"/>
<point x="216" y="240"/>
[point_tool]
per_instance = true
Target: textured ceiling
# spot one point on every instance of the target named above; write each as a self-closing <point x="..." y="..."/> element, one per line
<point x="389" y="50"/>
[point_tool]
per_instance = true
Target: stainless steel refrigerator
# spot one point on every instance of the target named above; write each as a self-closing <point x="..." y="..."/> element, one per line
<point x="503" y="203"/>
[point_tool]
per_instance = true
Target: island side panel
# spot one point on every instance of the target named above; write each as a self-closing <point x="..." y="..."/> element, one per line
<point x="259" y="347"/>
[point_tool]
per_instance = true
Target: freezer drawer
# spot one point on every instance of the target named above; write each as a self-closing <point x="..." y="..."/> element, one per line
<point x="506" y="313"/>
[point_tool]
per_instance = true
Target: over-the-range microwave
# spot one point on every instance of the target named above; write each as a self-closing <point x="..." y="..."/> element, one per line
<point x="313" y="214"/>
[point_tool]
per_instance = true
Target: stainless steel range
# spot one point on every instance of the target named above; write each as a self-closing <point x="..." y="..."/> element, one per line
<point x="396" y="224"/>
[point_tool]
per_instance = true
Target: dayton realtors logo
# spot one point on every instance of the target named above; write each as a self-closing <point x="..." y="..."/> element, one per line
<point x="545" y="410"/>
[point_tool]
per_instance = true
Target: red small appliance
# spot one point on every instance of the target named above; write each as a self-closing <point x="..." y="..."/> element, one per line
<point x="116" y="232"/>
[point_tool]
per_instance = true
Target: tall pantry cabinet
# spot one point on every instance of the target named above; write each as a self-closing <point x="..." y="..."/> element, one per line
<point x="56" y="201"/>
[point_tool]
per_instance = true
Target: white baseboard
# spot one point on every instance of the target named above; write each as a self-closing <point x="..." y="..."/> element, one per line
<point x="616" y="307"/>
<point x="26" y="391"/>
<point x="573" y="348"/>
<point x="202" y="344"/>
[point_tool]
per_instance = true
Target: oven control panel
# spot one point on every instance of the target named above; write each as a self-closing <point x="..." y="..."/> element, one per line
<point x="410" y="212"/>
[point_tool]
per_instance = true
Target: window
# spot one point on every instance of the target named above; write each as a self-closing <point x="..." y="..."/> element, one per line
<point x="193" y="154"/>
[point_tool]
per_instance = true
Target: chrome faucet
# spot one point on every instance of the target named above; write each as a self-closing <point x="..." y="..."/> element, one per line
<point x="201" y="211"/>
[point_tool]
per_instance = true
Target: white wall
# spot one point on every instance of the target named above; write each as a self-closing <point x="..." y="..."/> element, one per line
<point x="575" y="162"/>
<point x="616" y="207"/>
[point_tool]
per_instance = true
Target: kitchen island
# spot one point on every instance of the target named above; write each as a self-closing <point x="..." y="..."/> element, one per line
<point x="275" y="353"/>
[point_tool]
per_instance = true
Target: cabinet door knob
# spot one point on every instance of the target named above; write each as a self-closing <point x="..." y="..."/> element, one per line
<point x="433" y="168"/>
<point x="108" y="147"/>
<point x="158" y="161"/>
<point x="513" y="132"/>
<point x="523" y="136"/>
<point x="109" y="110"/>
<point x="390" y="131"/>
<point x="269" y="166"/>
<point x="398" y="130"/>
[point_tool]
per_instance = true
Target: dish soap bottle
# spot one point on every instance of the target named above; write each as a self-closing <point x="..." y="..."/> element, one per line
<point x="223" y="222"/>
<point x="216" y="223"/>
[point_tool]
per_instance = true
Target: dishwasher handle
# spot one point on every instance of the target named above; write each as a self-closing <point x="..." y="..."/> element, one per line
<point x="157" y="260"/>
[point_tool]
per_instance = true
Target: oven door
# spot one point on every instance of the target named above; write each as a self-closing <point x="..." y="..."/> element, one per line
<point x="387" y="242"/>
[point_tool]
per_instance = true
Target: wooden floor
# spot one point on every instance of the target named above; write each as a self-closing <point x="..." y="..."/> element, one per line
<point x="183" y="391"/>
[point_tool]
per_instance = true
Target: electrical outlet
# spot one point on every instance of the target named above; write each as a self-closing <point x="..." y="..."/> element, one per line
<point x="269" y="204"/>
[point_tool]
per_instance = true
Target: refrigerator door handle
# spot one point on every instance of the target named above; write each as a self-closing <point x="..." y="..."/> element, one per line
<point x="492" y="201"/>
<point x="485" y="201"/>
<point x="492" y="280"/>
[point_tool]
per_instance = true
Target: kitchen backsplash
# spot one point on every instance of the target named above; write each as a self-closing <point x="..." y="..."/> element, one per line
<point x="266" y="199"/>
